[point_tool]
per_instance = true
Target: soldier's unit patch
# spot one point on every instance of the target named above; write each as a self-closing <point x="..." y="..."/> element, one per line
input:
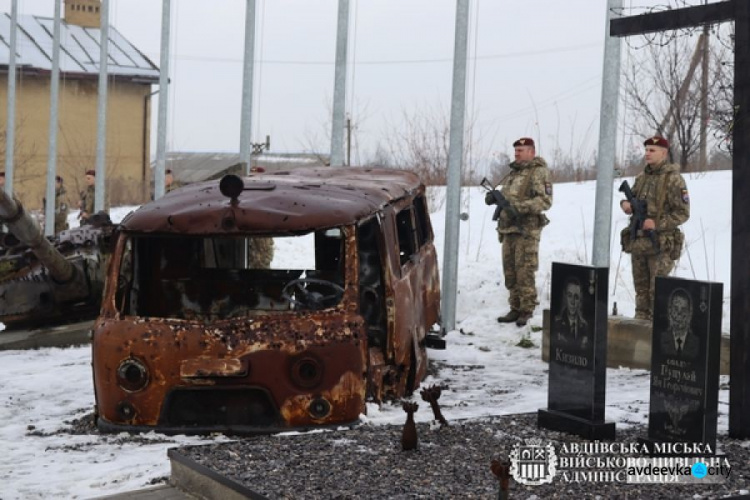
<point x="548" y="188"/>
<point x="685" y="196"/>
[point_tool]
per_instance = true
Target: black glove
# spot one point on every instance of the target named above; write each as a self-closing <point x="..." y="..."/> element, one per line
<point x="489" y="199"/>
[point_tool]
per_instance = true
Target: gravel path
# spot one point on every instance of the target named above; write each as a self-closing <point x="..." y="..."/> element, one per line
<point x="450" y="462"/>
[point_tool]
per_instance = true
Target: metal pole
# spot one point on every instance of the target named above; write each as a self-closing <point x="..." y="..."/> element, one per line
<point x="101" y="118"/>
<point x="339" y="86"/>
<point x="739" y="334"/>
<point x="348" y="142"/>
<point x="246" y="120"/>
<point x="49" y="213"/>
<point x="605" y="161"/>
<point x="455" y="160"/>
<point x="161" y="132"/>
<point x="10" y="127"/>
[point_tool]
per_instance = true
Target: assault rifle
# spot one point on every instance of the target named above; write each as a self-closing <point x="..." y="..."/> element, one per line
<point x="495" y="197"/>
<point x="640" y="214"/>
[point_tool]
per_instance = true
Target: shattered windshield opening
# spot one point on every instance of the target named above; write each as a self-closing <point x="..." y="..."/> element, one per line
<point x="212" y="278"/>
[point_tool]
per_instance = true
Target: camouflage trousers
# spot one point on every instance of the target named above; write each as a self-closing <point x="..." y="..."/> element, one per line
<point x="645" y="270"/>
<point x="520" y="262"/>
<point x="61" y="222"/>
<point x="260" y="253"/>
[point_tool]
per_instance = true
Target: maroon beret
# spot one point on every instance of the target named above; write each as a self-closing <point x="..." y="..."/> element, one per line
<point x="656" y="141"/>
<point x="168" y="171"/>
<point x="91" y="172"/>
<point x="58" y="179"/>
<point x="2" y="174"/>
<point x="259" y="170"/>
<point x="524" y="141"/>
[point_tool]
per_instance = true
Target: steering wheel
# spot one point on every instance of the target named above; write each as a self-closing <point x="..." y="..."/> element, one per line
<point x="298" y="293"/>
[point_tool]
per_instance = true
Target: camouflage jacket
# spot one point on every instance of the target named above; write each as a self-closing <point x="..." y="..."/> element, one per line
<point x="662" y="181"/>
<point x="61" y="201"/>
<point x="529" y="189"/>
<point x="87" y="200"/>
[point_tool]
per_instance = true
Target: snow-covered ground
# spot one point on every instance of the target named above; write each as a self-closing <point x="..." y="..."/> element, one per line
<point x="483" y="369"/>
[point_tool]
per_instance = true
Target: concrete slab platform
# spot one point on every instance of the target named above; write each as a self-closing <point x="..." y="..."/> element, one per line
<point x="50" y="336"/>
<point x="629" y="343"/>
<point x="163" y="492"/>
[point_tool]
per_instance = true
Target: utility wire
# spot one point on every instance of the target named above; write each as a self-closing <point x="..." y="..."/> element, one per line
<point x="571" y="48"/>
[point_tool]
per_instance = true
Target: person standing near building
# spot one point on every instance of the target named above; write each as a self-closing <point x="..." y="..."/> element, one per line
<point x="528" y="189"/>
<point x="61" y="206"/>
<point x="87" y="197"/>
<point x="658" y="241"/>
<point x="3" y="229"/>
<point x="169" y="183"/>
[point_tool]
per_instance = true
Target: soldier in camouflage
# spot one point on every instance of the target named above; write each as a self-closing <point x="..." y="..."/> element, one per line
<point x="260" y="251"/>
<point x="667" y="207"/>
<point x="528" y="188"/>
<point x="87" y="197"/>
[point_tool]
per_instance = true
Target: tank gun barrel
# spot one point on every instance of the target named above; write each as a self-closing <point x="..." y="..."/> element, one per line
<point x="26" y="229"/>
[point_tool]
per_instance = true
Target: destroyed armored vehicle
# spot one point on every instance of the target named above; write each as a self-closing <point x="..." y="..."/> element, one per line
<point x="203" y="330"/>
<point x="49" y="281"/>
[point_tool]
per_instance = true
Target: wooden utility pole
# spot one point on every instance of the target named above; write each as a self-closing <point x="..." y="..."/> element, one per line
<point x="703" y="148"/>
<point x="739" y="12"/>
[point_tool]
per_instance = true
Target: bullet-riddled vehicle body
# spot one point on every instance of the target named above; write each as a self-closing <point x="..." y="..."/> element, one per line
<point x="201" y="330"/>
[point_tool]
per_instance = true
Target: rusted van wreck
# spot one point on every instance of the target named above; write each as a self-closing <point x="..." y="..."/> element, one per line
<point x="197" y="334"/>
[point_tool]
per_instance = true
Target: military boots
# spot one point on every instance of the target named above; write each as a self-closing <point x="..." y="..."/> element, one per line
<point x="523" y="318"/>
<point x="512" y="316"/>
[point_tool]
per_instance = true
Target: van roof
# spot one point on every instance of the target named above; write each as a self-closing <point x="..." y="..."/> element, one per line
<point x="291" y="201"/>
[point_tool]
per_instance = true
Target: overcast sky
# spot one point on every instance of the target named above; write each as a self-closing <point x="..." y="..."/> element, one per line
<point x="537" y="70"/>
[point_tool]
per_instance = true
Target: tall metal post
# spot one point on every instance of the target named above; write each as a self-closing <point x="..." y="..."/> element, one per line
<point x="339" y="86"/>
<point x="455" y="161"/>
<point x="605" y="161"/>
<point x="739" y="348"/>
<point x="101" y="117"/>
<point x="246" y="120"/>
<point x="10" y="123"/>
<point x="49" y="217"/>
<point x="161" y="128"/>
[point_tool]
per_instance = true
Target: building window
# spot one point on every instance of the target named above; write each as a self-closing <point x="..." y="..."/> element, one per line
<point x="96" y="9"/>
<point x="91" y="9"/>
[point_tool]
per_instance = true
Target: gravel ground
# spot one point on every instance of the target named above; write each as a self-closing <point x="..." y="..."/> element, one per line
<point x="450" y="462"/>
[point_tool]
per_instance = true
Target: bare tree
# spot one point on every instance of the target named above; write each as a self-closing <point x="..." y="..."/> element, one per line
<point x="663" y="86"/>
<point x="420" y="142"/>
<point x="721" y="96"/>
<point x="23" y="152"/>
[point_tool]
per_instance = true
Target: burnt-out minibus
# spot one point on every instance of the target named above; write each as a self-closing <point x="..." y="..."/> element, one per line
<point x="267" y="302"/>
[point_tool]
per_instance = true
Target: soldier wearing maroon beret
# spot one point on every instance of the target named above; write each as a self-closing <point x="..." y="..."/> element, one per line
<point x="659" y="240"/>
<point x="528" y="188"/>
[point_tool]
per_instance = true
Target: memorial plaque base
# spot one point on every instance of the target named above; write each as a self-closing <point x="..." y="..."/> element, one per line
<point x="678" y="449"/>
<point x="559" y="421"/>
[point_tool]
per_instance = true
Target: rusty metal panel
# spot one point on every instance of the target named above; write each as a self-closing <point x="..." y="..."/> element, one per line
<point x="212" y="368"/>
<point x="298" y="200"/>
<point x="246" y="354"/>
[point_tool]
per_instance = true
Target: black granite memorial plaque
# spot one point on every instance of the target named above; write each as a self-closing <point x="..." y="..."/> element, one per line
<point x="578" y="350"/>
<point x="685" y="362"/>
